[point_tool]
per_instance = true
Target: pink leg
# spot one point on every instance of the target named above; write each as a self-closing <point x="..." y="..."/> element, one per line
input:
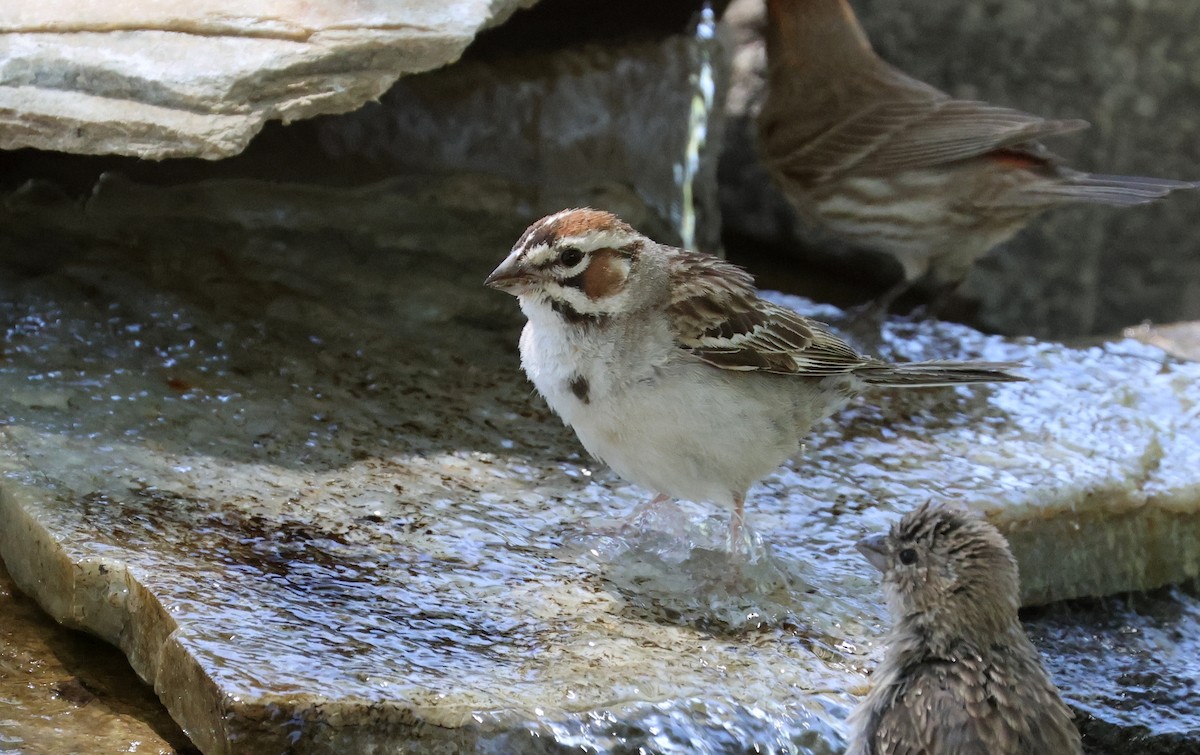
<point x="735" y="523"/>
<point x="660" y="498"/>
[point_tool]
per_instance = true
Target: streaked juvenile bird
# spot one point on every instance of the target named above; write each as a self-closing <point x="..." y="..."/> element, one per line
<point x="892" y="164"/>
<point x="672" y="369"/>
<point x="959" y="676"/>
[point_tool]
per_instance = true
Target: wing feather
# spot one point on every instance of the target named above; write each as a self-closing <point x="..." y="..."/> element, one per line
<point x="718" y="316"/>
<point x="892" y="136"/>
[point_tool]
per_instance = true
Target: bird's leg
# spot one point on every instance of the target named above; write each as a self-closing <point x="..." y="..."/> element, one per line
<point x="735" y="524"/>
<point x="870" y="316"/>
<point x="653" y="505"/>
<point x="653" y="510"/>
<point x="945" y="305"/>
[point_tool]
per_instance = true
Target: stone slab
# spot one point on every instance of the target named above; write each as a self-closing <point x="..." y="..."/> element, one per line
<point x="281" y="454"/>
<point x="65" y="692"/>
<point x="1131" y="665"/>
<point x="199" y="79"/>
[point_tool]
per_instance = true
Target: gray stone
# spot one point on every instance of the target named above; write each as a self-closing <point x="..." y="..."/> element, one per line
<point x="1127" y="66"/>
<point x="640" y="118"/>
<point x="281" y="454"/>
<point x="199" y="79"/>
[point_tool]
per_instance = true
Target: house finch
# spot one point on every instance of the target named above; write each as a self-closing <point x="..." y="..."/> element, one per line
<point x="889" y="163"/>
<point x="959" y="676"/>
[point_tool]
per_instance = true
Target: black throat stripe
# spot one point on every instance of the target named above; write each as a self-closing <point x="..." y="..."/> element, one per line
<point x="575" y="317"/>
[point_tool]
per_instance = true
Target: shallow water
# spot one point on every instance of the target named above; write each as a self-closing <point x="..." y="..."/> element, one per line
<point x="292" y="469"/>
<point x="1129" y="665"/>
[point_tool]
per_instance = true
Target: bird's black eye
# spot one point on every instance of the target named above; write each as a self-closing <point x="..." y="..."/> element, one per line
<point x="571" y="256"/>
<point x="908" y="556"/>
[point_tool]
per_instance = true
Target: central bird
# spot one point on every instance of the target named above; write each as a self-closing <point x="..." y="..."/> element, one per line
<point x="671" y="368"/>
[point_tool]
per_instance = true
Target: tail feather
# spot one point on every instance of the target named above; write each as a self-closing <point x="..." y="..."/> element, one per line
<point x="938" y="373"/>
<point x="1121" y="191"/>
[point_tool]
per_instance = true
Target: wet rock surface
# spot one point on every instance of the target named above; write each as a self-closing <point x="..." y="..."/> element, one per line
<point x="1126" y="66"/>
<point x="62" y="691"/>
<point x="273" y="443"/>
<point x="199" y="79"/>
<point x="1130" y="667"/>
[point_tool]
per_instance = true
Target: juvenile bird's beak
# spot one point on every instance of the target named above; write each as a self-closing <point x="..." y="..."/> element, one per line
<point x="874" y="549"/>
<point x="509" y="278"/>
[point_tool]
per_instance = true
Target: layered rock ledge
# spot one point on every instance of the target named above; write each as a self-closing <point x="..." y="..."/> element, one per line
<point x="287" y="463"/>
<point x="199" y="79"/>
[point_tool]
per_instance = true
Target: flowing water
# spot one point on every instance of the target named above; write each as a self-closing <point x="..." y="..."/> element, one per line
<point x="272" y="441"/>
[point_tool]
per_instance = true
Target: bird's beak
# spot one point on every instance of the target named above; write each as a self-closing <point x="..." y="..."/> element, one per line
<point x="874" y="549"/>
<point x="510" y="278"/>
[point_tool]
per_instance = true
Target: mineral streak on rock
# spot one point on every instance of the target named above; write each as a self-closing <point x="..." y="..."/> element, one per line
<point x="291" y="469"/>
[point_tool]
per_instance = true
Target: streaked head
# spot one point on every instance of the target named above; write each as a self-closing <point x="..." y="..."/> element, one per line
<point x="578" y="260"/>
<point x="946" y="569"/>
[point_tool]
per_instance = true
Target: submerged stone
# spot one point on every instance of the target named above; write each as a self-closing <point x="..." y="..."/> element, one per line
<point x="276" y="446"/>
<point x="1131" y="665"/>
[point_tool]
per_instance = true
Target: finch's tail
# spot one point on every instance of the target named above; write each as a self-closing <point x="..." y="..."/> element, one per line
<point x="1121" y="191"/>
<point x="938" y="373"/>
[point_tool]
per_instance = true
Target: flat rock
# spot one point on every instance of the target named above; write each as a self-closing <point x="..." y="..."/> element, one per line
<point x="200" y="78"/>
<point x="63" y="691"/>
<point x="281" y="454"/>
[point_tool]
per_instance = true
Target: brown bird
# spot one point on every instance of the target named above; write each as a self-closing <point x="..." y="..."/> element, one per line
<point x="892" y="164"/>
<point x="672" y="369"/>
<point x="960" y="676"/>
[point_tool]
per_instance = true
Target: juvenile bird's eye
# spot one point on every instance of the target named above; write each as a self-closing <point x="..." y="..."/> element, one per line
<point x="908" y="556"/>
<point x="571" y="256"/>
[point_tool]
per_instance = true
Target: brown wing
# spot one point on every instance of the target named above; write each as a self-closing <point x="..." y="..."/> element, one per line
<point x="834" y="107"/>
<point x="936" y="713"/>
<point x="885" y="137"/>
<point x="964" y="709"/>
<point x="718" y="316"/>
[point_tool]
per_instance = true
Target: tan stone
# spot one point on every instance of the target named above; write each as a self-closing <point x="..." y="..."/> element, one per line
<point x="63" y="691"/>
<point x="161" y="79"/>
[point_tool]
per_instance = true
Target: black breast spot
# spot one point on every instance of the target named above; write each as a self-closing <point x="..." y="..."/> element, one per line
<point x="579" y="386"/>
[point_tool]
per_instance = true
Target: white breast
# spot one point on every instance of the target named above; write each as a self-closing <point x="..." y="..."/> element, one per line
<point x="660" y="418"/>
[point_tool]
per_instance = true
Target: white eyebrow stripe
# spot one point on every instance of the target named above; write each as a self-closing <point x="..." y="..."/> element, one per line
<point x="539" y="255"/>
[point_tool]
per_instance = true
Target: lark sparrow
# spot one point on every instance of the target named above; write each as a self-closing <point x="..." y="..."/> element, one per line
<point x="889" y="163"/>
<point x="669" y="366"/>
<point x="959" y="675"/>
